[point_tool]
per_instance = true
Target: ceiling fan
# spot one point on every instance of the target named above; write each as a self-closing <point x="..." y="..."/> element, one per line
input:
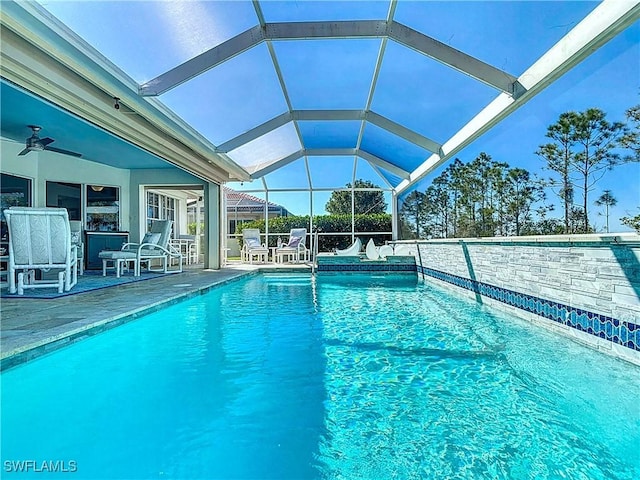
<point x="34" y="142"/>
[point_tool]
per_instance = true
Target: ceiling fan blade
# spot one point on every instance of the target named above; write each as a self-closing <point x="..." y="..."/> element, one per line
<point x="46" y="141"/>
<point x="25" y="151"/>
<point x="64" y="152"/>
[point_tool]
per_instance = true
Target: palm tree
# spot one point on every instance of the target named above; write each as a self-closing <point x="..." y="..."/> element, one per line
<point x="608" y="200"/>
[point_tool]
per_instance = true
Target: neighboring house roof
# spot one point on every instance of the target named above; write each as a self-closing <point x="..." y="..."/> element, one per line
<point x="243" y="202"/>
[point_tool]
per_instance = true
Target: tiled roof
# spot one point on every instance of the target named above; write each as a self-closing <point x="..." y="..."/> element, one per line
<point x="244" y="200"/>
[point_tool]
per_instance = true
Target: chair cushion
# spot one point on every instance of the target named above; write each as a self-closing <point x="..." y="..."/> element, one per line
<point x="75" y="238"/>
<point x="152" y="252"/>
<point x="115" y="254"/>
<point x="253" y="242"/>
<point x="294" y="242"/>
<point x="151" y="238"/>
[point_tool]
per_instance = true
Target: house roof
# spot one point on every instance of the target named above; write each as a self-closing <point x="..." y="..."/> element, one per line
<point x="246" y="202"/>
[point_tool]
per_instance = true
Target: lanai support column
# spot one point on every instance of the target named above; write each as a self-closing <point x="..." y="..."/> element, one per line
<point x="212" y="219"/>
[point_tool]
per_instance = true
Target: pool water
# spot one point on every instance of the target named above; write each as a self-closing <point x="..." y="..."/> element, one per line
<point x="337" y="377"/>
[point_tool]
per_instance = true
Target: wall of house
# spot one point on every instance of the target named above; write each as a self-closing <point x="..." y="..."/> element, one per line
<point x="586" y="286"/>
<point x="48" y="166"/>
<point x="141" y="179"/>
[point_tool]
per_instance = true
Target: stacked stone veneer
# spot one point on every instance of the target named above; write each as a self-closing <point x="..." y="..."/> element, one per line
<point x="584" y="283"/>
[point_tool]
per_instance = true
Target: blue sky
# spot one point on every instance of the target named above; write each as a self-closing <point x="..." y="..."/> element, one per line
<point x="147" y="38"/>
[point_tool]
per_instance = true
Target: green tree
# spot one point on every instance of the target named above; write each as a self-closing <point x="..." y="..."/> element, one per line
<point x="577" y="222"/>
<point x="468" y="200"/>
<point x="521" y="192"/>
<point x="366" y="202"/>
<point x="597" y="138"/>
<point x="455" y="174"/>
<point x="438" y="206"/>
<point x="489" y="175"/>
<point x="544" y="225"/>
<point x="559" y="156"/>
<point x="631" y="137"/>
<point x="413" y="210"/>
<point x="607" y="200"/>
<point x="479" y="198"/>
<point x="633" y="222"/>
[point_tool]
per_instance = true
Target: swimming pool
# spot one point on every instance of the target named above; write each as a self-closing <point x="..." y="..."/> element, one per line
<point x="336" y="377"/>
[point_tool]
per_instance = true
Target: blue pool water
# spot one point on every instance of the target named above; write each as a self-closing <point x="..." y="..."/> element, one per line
<point x="342" y="377"/>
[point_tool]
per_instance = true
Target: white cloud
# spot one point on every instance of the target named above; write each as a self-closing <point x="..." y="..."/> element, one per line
<point x="192" y="27"/>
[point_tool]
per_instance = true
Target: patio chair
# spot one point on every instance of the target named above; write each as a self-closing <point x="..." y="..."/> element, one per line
<point x="154" y="246"/>
<point x="373" y="253"/>
<point x="352" y="250"/>
<point x="40" y="239"/>
<point x="187" y="246"/>
<point x="251" y="246"/>
<point x="385" y="251"/>
<point x="402" y="250"/>
<point x="295" y="249"/>
<point x="77" y="240"/>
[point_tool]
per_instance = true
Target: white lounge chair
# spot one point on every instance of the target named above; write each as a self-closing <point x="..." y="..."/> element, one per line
<point x="154" y="246"/>
<point x="372" y="251"/>
<point x="40" y="239"/>
<point x="251" y="246"/>
<point x="401" y="249"/>
<point x="295" y="249"/>
<point x="378" y="253"/>
<point x="385" y="251"/>
<point x="354" y="249"/>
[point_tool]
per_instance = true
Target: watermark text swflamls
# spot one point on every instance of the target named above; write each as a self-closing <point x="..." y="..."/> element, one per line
<point x="23" y="466"/>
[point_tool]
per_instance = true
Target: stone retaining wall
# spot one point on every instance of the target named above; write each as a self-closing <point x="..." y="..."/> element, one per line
<point x="584" y="283"/>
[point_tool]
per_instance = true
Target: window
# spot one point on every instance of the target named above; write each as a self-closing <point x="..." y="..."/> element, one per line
<point x="160" y="207"/>
<point x="14" y="192"/>
<point x="103" y="208"/>
<point x="66" y="195"/>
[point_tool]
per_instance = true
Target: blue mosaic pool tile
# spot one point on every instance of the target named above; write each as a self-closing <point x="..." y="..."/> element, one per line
<point x="602" y="326"/>
<point x="624" y="334"/>
<point x="583" y="321"/>
<point x="597" y="328"/>
<point x="366" y="267"/>
<point x="608" y="330"/>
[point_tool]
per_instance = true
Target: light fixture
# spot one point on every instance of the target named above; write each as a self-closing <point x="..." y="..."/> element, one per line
<point x="97" y="188"/>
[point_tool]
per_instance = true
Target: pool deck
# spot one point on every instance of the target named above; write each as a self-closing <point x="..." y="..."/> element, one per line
<point x="33" y="327"/>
